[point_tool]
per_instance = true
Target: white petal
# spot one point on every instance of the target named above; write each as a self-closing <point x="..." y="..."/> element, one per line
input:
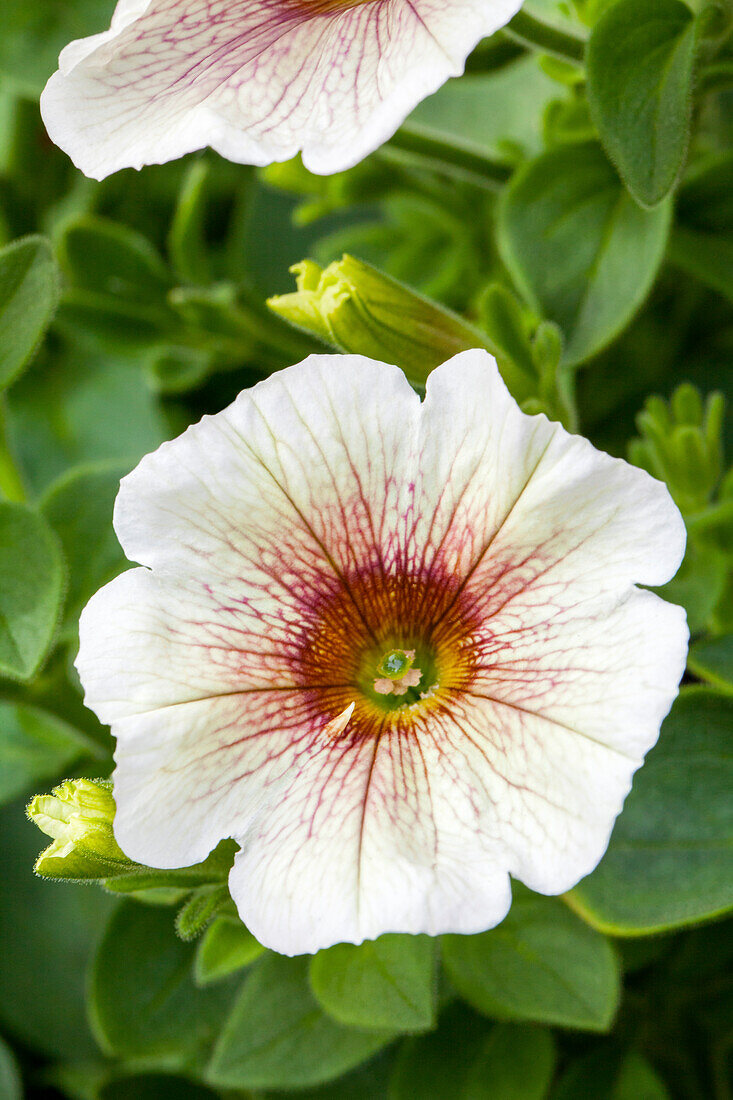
<point x="258" y="80"/>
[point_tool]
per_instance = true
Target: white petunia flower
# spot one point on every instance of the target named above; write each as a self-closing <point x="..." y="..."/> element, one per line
<point x="326" y="533"/>
<point x="258" y="80"/>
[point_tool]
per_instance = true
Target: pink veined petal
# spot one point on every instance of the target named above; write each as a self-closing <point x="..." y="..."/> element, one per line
<point x="328" y="473"/>
<point x="258" y="80"/>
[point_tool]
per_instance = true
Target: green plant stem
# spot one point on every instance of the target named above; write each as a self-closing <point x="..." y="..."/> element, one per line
<point x="11" y="482"/>
<point x="538" y="35"/>
<point x="493" y="54"/>
<point x="430" y="150"/>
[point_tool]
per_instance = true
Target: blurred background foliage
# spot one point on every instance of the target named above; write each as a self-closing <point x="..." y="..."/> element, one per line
<point x="592" y="250"/>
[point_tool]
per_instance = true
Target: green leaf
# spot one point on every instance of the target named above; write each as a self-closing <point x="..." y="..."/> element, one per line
<point x="713" y="661"/>
<point x="578" y="246"/>
<point x="702" y="238"/>
<point x="80" y="408"/>
<point x="516" y="1063"/>
<point x="29" y="294"/>
<point x="10" y="1086"/>
<point x="670" y="860"/>
<point x="542" y="963"/>
<point x="698" y="584"/>
<point x="226" y="946"/>
<point x="159" y="1086"/>
<point x="104" y="256"/>
<point x="78" y="506"/>
<point x="31" y="588"/>
<point x="639" y="63"/>
<point x="34" y="35"/>
<point x="436" y="1066"/>
<point x="278" y="1037"/>
<point x="35" y="746"/>
<point x="605" y="1074"/>
<point x="383" y="983"/>
<point x="47" y="933"/>
<point x="142" y="999"/>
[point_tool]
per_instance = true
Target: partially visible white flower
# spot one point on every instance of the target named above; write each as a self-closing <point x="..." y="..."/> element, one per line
<point x="258" y="80"/>
<point x="329" y="535"/>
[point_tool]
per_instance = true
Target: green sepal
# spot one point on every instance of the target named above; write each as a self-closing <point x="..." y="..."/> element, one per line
<point x="199" y="910"/>
<point x="354" y="307"/>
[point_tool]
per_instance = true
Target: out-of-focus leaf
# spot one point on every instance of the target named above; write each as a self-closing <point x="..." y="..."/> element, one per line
<point x="31" y="588"/>
<point x="81" y="408"/>
<point x="154" y="1086"/>
<point x="108" y="257"/>
<point x="35" y="746"/>
<point x="606" y="1074"/>
<point x="29" y="294"/>
<point x="78" y="506"/>
<point x="436" y="1066"/>
<point x="516" y="1063"/>
<point x="34" y="35"/>
<point x="117" y="285"/>
<point x="639" y="62"/>
<point x="277" y="1036"/>
<point x="47" y="932"/>
<point x="698" y="584"/>
<point x="670" y="860"/>
<point x="541" y="963"/>
<point x="367" y="1082"/>
<point x="518" y="93"/>
<point x="142" y="999"/>
<point x="702" y="240"/>
<point x="713" y="660"/>
<point x="10" y="1086"/>
<point x="225" y="946"/>
<point x="578" y="246"/>
<point x="388" y="983"/>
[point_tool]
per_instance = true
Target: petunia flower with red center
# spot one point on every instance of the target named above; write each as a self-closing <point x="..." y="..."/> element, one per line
<point x="258" y="80"/>
<point x="393" y="648"/>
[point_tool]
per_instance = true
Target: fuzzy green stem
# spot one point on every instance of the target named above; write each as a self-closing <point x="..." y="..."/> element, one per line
<point x="433" y="151"/>
<point x="538" y="35"/>
<point x="493" y="54"/>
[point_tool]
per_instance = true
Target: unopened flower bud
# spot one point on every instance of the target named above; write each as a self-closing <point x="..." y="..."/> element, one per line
<point x="78" y="815"/>
<point x="357" y="308"/>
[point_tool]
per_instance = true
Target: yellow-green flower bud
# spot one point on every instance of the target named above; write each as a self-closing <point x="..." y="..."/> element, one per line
<point x="78" y="815"/>
<point x="357" y="308"/>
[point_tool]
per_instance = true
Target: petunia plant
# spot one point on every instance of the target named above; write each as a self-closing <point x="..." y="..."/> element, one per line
<point x="366" y="549"/>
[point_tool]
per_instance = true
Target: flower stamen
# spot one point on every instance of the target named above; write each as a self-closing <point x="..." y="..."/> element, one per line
<point x="395" y="674"/>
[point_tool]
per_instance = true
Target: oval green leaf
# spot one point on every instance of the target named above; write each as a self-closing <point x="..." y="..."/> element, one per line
<point x="712" y="660"/>
<point x="385" y="983"/>
<point x="542" y="964"/>
<point x="29" y="294"/>
<point x="226" y="946"/>
<point x="31" y="588"/>
<point x="142" y="999"/>
<point x="35" y="746"/>
<point x="670" y="860"/>
<point x="640" y="63"/>
<point x="278" y="1036"/>
<point x="78" y="506"/>
<point x="578" y="247"/>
